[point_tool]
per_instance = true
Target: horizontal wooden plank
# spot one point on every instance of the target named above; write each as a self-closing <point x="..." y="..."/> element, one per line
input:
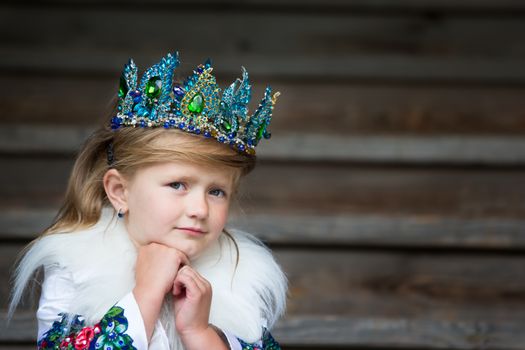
<point x="393" y="333"/>
<point x="384" y="68"/>
<point x="449" y="149"/>
<point x="313" y="188"/>
<point x="333" y="230"/>
<point x="433" y="285"/>
<point x="328" y="331"/>
<point x="332" y="47"/>
<point x="376" y="298"/>
<point x="467" y="6"/>
<point x="406" y="149"/>
<point x="309" y="107"/>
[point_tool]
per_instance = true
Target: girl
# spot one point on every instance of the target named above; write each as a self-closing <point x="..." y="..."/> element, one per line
<point x="138" y="256"/>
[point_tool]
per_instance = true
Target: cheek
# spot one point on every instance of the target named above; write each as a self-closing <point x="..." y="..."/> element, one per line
<point x="221" y="216"/>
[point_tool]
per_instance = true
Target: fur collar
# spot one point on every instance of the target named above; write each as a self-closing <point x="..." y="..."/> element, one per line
<point x="247" y="295"/>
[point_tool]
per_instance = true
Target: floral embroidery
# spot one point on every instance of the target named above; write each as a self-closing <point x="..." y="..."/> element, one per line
<point x="114" y="326"/>
<point x="72" y="334"/>
<point x="268" y="343"/>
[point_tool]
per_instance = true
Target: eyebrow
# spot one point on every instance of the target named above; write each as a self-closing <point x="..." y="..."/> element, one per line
<point x="189" y="178"/>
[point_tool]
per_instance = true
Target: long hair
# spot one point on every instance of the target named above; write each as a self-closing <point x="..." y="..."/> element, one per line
<point x="130" y="149"/>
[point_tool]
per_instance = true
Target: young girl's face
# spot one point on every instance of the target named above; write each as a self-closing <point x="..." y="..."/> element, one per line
<point x="180" y="205"/>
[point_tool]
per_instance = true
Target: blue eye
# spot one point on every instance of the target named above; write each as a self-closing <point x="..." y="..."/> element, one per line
<point x="218" y="193"/>
<point x="177" y="185"/>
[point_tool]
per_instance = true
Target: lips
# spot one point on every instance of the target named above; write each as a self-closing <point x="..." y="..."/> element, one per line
<point x="194" y="230"/>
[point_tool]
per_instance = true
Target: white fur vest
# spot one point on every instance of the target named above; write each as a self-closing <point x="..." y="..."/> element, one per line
<point x="248" y="293"/>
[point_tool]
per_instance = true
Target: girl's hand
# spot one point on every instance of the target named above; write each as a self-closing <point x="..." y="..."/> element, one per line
<point x="156" y="268"/>
<point x="192" y="300"/>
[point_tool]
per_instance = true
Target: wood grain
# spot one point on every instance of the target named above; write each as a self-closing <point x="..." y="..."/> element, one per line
<point x="400" y="47"/>
<point x="350" y="231"/>
<point x="336" y="189"/>
<point x="306" y="107"/>
<point x="381" y="298"/>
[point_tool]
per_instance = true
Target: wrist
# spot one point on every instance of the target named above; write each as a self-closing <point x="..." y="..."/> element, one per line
<point x="209" y="337"/>
<point x="149" y="305"/>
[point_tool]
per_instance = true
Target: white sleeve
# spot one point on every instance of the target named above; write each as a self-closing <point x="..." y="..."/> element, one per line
<point x="233" y="342"/>
<point x="58" y="292"/>
<point x="136" y="329"/>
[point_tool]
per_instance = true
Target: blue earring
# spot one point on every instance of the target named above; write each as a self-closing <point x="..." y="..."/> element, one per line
<point x="120" y="214"/>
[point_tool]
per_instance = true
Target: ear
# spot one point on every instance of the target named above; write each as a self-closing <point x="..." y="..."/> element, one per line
<point x="115" y="186"/>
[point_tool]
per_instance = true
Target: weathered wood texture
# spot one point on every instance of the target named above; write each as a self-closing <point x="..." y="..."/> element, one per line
<point x="392" y="190"/>
<point x="324" y="189"/>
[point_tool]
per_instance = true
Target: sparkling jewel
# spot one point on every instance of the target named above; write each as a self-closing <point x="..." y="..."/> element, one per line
<point x="123" y="87"/>
<point x="197" y="104"/>
<point x="153" y="87"/>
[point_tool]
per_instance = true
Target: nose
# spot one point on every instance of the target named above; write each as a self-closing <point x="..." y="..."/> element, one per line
<point x="197" y="206"/>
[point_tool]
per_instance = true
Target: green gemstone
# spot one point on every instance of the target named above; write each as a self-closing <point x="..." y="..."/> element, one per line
<point x="153" y="87"/>
<point x="227" y="125"/>
<point x="123" y="87"/>
<point x="197" y="104"/>
<point x="260" y="133"/>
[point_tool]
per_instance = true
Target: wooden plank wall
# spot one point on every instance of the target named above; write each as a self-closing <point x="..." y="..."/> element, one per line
<point x="393" y="190"/>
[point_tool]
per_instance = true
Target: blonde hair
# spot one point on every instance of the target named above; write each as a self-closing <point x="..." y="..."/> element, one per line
<point x="132" y="149"/>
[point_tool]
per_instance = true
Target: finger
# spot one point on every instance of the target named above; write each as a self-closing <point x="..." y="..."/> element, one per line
<point x="186" y="280"/>
<point x="201" y="283"/>
<point x="183" y="258"/>
<point x="178" y="288"/>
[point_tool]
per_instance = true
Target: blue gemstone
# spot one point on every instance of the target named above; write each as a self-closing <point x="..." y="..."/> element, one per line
<point x="166" y="125"/>
<point x="191" y="127"/>
<point x="207" y="134"/>
<point x="153" y="114"/>
<point x="250" y="143"/>
<point x="172" y="121"/>
<point x="178" y="91"/>
<point x="241" y="147"/>
<point x="232" y="143"/>
<point x="231" y="135"/>
<point x="199" y="70"/>
<point x="135" y="93"/>
<point x="221" y="139"/>
<point x="197" y="131"/>
<point x="181" y="125"/>
<point x="142" y="124"/>
<point x="137" y="99"/>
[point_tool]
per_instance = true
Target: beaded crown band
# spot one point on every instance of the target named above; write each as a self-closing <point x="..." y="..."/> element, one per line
<point x="196" y="106"/>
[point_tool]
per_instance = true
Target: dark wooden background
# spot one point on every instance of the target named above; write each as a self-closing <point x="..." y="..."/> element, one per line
<point x="392" y="191"/>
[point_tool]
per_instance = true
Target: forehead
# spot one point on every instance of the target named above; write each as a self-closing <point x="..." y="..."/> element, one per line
<point x="176" y="170"/>
<point x="182" y="141"/>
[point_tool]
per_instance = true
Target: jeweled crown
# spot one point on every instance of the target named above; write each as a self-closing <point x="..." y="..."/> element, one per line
<point x="195" y="106"/>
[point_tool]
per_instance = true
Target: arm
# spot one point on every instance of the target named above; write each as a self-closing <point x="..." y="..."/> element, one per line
<point x="192" y="301"/>
<point x="155" y="271"/>
<point x="111" y="331"/>
<point x="122" y="323"/>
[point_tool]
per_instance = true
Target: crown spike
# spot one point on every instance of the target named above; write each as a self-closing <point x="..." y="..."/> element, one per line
<point x="196" y="106"/>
